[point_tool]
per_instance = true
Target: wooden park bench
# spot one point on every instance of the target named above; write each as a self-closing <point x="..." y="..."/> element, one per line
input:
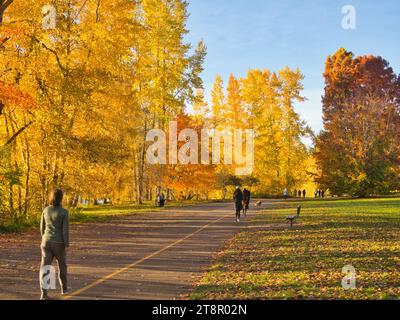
<point x="294" y="218"/>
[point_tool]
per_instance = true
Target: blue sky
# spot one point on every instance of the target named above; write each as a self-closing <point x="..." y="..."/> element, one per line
<point x="273" y="34"/>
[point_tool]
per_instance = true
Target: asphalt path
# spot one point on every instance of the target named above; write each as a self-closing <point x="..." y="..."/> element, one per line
<point x="156" y="255"/>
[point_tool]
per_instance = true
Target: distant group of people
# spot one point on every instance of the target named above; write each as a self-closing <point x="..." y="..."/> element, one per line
<point x="296" y="193"/>
<point x="303" y="193"/>
<point x="319" y="194"/>
<point x="300" y="193"/>
<point x="242" y="201"/>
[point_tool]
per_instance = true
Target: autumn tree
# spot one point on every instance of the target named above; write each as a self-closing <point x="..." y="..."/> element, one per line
<point x="99" y="80"/>
<point x="167" y="74"/>
<point x="358" y="151"/>
<point x="264" y="102"/>
<point x="218" y="103"/>
<point x="235" y="116"/>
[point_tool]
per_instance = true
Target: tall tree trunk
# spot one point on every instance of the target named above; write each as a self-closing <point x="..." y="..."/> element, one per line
<point x="19" y="217"/>
<point x="4" y="4"/>
<point x="27" y="191"/>
<point x="11" y="202"/>
<point x="142" y="164"/>
<point x="135" y="175"/>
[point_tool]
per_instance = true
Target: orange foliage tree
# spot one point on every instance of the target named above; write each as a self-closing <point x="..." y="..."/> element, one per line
<point x="358" y="151"/>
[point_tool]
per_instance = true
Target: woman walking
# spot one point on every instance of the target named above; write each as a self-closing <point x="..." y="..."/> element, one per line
<point x="54" y="228"/>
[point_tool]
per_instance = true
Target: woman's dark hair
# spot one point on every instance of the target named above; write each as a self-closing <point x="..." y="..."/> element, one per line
<point x="55" y="198"/>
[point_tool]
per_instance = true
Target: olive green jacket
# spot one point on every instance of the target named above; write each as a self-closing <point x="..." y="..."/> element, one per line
<point x="54" y="225"/>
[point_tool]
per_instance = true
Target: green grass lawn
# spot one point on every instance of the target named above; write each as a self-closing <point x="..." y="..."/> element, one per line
<point x="271" y="261"/>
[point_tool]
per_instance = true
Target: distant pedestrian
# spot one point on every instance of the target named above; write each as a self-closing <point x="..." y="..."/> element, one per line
<point x="319" y="193"/>
<point x="299" y="193"/>
<point x="316" y="194"/>
<point x="323" y="193"/>
<point x="246" y="200"/>
<point x="304" y="193"/>
<point x="238" y="198"/>
<point x="295" y="193"/>
<point x="285" y="193"/>
<point x="54" y="229"/>
<point x="162" y="200"/>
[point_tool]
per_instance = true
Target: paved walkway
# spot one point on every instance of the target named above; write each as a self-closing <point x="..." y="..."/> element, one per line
<point x="148" y="256"/>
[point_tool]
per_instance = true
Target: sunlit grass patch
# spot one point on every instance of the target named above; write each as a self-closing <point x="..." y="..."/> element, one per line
<point x="306" y="262"/>
<point x="131" y="208"/>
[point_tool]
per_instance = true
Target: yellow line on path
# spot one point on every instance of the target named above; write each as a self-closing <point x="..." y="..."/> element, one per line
<point x="119" y="271"/>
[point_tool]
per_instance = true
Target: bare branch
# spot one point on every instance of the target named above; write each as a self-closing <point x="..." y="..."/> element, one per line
<point x="3" y="42"/>
<point x="80" y="10"/>
<point x="16" y="134"/>
<point x="63" y="69"/>
<point x="98" y="11"/>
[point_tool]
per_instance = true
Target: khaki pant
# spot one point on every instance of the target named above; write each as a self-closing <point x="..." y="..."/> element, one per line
<point x="57" y="250"/>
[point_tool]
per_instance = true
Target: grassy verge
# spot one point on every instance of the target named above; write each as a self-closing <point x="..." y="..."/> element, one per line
<point x="271" y="261"/>
<point x="6" y="227"/>
<point x="99" y="214"/>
